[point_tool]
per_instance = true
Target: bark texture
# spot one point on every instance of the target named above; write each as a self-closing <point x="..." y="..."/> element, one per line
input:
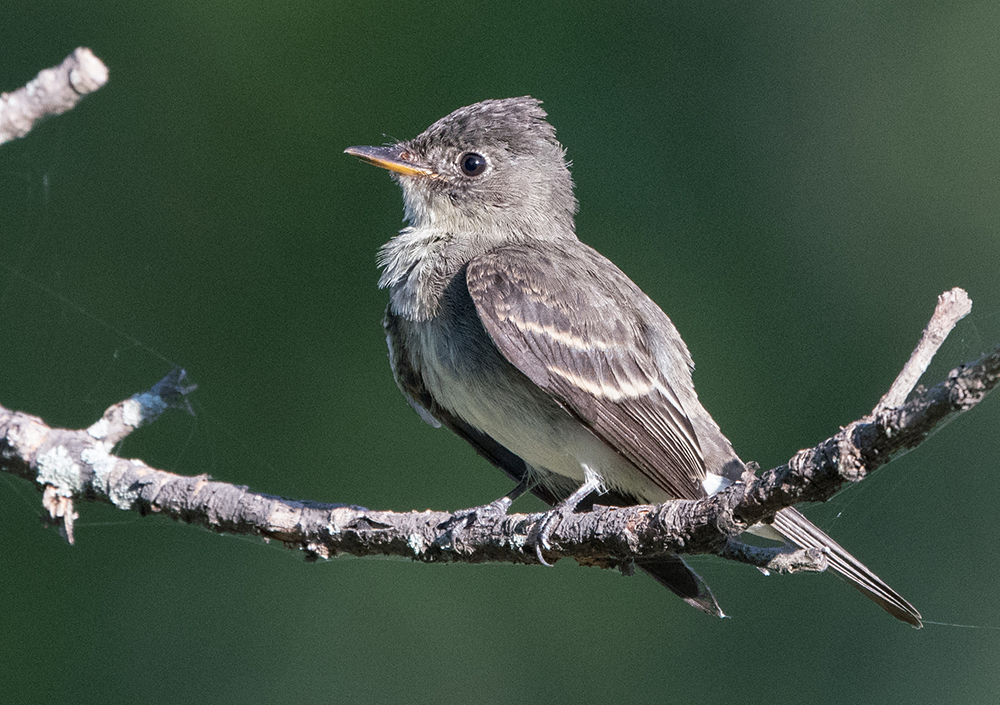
<point x="71" y="466"/>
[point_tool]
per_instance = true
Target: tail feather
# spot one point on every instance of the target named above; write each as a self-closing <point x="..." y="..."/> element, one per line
<point x="675" y="575"/>
<point x="801" y="532"/>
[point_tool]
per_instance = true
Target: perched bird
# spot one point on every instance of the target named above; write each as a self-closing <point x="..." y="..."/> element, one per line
<point x="505" y="328"/>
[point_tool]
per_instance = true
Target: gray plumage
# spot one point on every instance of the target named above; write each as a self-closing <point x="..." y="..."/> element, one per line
<point x="540" y="352"/>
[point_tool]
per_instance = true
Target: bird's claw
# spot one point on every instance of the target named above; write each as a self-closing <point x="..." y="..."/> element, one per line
<point x="552" y="518"/>
<point x="495" y="511"/>
<point x="546" y="525"/>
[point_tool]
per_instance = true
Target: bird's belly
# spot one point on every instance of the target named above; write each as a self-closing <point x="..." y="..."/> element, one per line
<point x="489" y="393"/>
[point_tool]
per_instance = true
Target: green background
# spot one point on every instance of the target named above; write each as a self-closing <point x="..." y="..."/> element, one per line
<point x="794" y="183"/>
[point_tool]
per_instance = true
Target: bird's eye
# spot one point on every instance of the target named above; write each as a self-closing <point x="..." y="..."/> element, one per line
<point x="473" y="164"/>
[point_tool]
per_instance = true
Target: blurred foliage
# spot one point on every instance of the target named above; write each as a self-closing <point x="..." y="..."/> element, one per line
<point x="793" y="183"/>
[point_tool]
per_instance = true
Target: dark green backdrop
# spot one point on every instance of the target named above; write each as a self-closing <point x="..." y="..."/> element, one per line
<point x="794" y="183"/>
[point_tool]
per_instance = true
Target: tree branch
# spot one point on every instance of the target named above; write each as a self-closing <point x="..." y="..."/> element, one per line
<point x="952" y="306"/>
<point x="69" y="466"/>
<point x="52" y="92"/>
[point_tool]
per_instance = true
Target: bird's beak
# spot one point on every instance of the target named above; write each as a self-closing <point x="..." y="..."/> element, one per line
<point x="393" y="158"/>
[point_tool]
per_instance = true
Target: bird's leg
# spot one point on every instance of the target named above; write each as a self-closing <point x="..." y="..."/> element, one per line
<point x="550" y="520"/>
<point x="502" y="505"/>
<point x="497" y="509"/>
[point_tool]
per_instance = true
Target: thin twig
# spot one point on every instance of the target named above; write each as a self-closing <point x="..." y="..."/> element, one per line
<point x="952" y="307"/>
<point x="52" y="92"/>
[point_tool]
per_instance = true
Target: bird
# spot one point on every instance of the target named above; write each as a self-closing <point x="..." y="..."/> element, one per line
<point x="505" y="328"/>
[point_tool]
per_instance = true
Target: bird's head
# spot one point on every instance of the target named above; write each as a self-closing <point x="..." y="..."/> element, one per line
<point x="494" y="166"/>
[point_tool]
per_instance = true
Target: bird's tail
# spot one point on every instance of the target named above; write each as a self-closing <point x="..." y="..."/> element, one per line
<point x="674" y="574"/>
<point x="801" y="532"/>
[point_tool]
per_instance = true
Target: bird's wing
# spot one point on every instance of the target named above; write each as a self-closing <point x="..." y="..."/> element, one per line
<point x="586" y="334"/>
<point x="670" y="571"/>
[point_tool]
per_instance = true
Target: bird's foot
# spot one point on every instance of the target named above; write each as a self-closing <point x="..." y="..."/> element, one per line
<point x="452" y="529"/>
<point x="546" y="525"/>
<point x="552" y="518"/>
<point x="492" y="512"/>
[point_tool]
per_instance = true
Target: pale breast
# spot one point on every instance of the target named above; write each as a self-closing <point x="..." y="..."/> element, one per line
<point x="466" y="374"/>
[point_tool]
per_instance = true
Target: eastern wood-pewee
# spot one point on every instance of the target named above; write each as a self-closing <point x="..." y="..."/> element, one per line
<point x="540" y="352"/>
